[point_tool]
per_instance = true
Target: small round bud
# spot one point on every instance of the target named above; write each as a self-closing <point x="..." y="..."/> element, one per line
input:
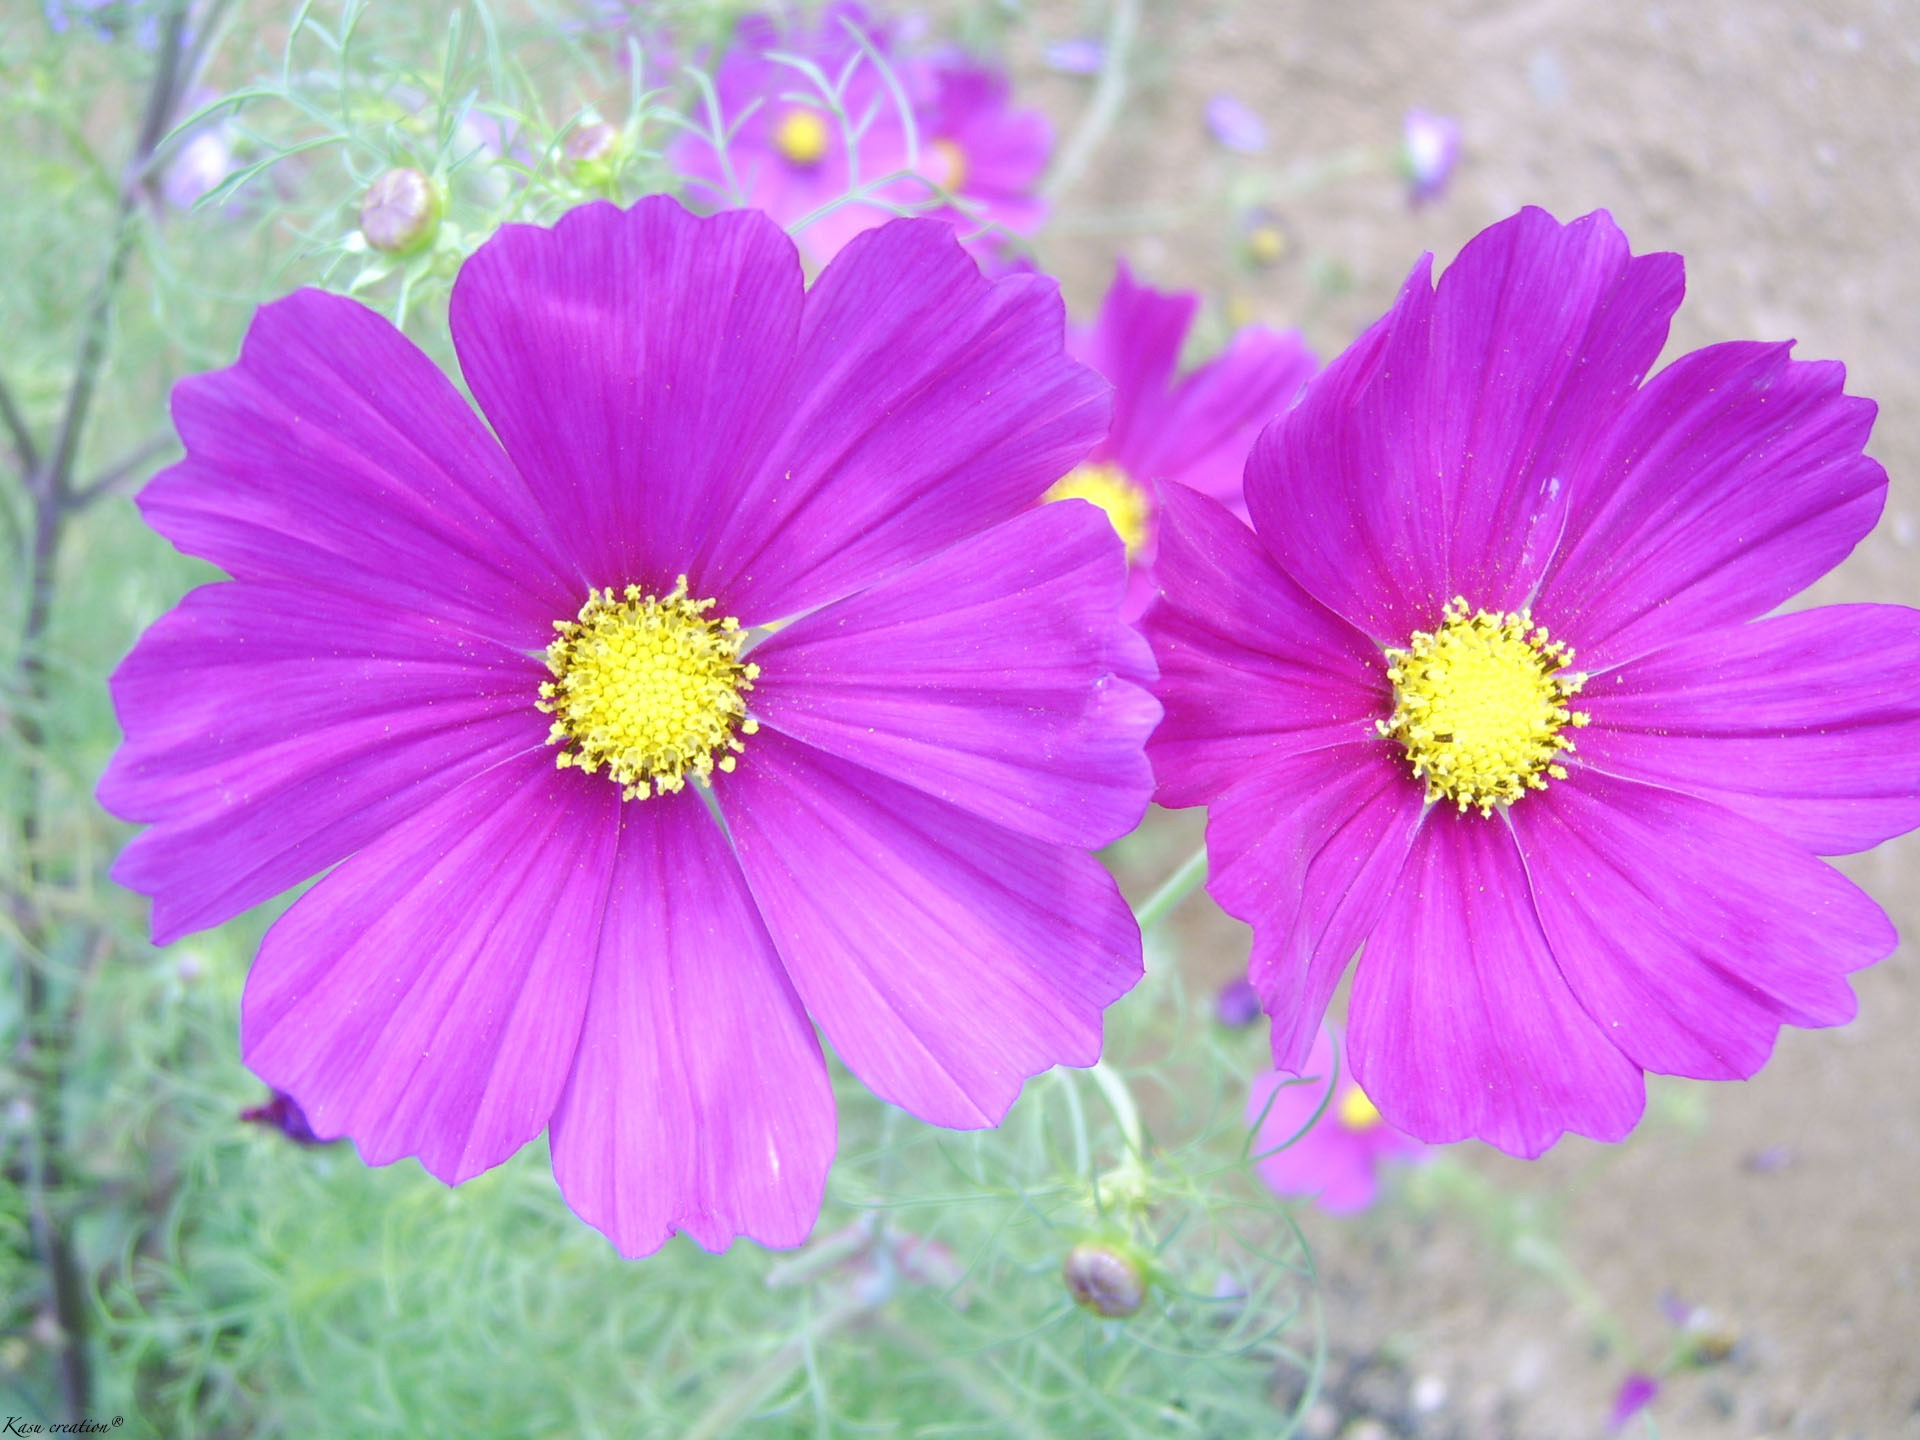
<point x="591" y="143"/>
<point x="1104" y="1279"/>
<point x="400" y="212"/>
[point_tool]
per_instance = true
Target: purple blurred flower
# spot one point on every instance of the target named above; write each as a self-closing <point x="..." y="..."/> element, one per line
<point x="1076" y="57"/>
<point x="1373" y="690"/>
<point x="1337" y="1163"/>
<point x="202" y="160"/>
<point x="1194" y="428"/>
<point x="911" y="774"/>
<point x="1430" y="149"/>
<point x="200" y="164"/>
<point x="283" y="1113"/>
<point x="790" y="155"/>
<point x="1237" y="1005"/>
<point x="95" y="14"/>
<point x="1235" y="126"/>
<point x="1637" y="1392"/>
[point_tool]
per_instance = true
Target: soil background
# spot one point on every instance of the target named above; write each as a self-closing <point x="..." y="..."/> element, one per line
<point x="1775" y="146"/>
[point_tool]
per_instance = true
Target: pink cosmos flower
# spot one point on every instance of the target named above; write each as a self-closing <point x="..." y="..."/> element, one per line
<point x="1193" y="428"/>
<point x="789" y="155"/>
<point x="595" y="860"/>
<point x="1485" y="687"/>
<point x="1337" y="1163"/>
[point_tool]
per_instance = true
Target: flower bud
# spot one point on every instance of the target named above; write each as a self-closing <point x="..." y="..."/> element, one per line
<point x="1105" y="1279"/>
<point x="1430" y="148"/>
<point x="400" y="212"/>
<point x="283" y="1113"/>
<point x="591" y="143"/>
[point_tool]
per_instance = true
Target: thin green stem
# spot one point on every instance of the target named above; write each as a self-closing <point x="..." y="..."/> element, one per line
<point x="1182" y="883"/>
<point x="779" y="1367"/>
<point x="1109" y="91"/>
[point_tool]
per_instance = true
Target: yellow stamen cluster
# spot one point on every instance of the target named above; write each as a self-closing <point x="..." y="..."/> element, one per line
<point x="1112" y="489"/>
<point x="1479" y="705"/>
<point x="947" y="165"/>
<point x="649" y="687"/>
<point x="1355" y="1111"/>
<point x="801" y="136"/>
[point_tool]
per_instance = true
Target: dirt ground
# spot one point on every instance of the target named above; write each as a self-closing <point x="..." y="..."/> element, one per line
<point x="1774" y="144"/>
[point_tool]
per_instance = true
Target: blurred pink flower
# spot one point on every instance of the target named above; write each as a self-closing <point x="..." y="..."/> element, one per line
<point x="1336" y="1163"/>
<point x="790" y="155"/>
<point x="1430" y="148"/>
<point x="1194" y="427"/>
<point x="1235" y="126"/>
<point x="1637" y="1392"/>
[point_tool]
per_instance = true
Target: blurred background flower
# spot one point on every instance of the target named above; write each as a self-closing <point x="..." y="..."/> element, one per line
<point x="1339" y="1162"/>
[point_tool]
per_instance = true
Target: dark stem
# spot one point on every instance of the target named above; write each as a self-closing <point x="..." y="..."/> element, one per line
<point x="120" y="472"/>
<point x="46" y="1027"/>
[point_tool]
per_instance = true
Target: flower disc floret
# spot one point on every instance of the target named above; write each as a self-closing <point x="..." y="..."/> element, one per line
<point x="649" y="687"/>
<point x="801" y="136"/>
<point x="1480" y="706"/>
<point x="1355" y="1110"/>
<point x="1126" y="505"/>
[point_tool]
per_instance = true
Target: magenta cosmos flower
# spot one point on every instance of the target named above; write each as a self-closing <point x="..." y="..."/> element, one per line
<point x="1485" y="687"/>
<point x="1336" y="1164"/>
<point x="788" y="153"/>
<point x="1193" y="428"/>
<point x="597" y="856"/>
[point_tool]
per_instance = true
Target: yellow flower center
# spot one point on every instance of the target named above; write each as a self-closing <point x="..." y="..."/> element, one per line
<point x="1108" y="486"/>
<point x="1355" y="1111"/>
<point x="1479" y="705"/>
<point x="947" y="165"/>
<point x="649" y="687"/>
<point x="801" y="136"/>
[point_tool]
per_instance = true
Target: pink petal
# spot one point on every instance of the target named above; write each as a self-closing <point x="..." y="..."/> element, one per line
<point x="1135" y="342"/>
<point x="1438" y="457"/>
<point x="631" y="361"/>
<point x="305" y="725"/>
<point x="946" y="958"/>
<point x="1251" y="667"/>
<point x="989" y="676"/>
<point x="1460" y="1025"/>
<point x="1217" y="412"/>
<point x="699" y="1101"/>
<point x="1730" y="483"/>
<point x="926" y="404"/>
<point x="425" y="998"/>
<point x="1689" y="933"/>
<point x="1806" y="723"/>
<point x="336" y="456"/>
<point x="1328" y="1164"/>
<point x="1306" y="850"/>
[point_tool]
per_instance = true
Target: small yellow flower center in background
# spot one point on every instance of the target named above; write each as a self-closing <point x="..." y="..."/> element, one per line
<point x="801" y="136"/>
<point x="1267" y="244"/>
<point x="947" y="165"/>
<point x="1355" y="1111"/>
<point x="1109" y="487"/>
<point x="649" y="687"/>
<point x="1480" y="703"/>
